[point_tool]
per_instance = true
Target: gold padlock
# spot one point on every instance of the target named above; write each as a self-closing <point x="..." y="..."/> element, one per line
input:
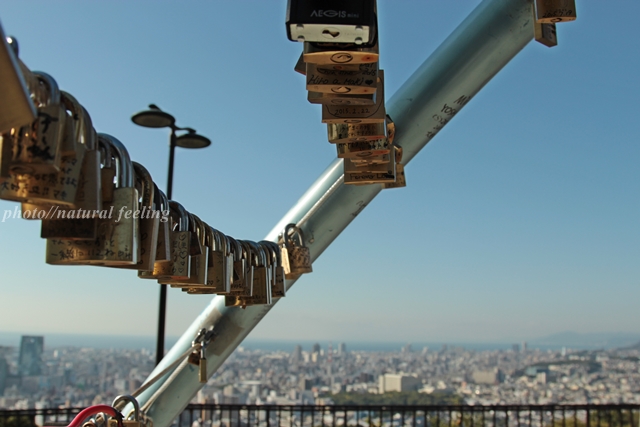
<point x="341" y="99"/>
<point x="545" y="34"/>
<point x="358" y="114"/>
<point x="36" y="149"/>
<point x="553" y="11"/>
<point x="58" y="188"/>
<point x="327" y="53"/>
<point x="78" y="222"/>
<point x="118" y="235"/>
<point x="401" y="180"/>
<point x="363" y="150"/>
<point x="361" y="80"/>
<point x="163" y="251"/>
<point x="344" y="132"/>
<point x="296" y="258"/>
<point x="261" y="289"/>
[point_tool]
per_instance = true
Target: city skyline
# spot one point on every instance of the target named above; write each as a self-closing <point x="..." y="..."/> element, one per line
<point x="520" y="218"/>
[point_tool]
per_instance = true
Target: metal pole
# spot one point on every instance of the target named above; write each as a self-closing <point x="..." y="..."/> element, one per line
<point x="476" y="51"/>
<point x="162" y="311"/>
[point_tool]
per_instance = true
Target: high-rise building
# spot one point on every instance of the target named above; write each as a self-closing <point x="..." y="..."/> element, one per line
<point x="296" y="356"/>
<point x="523" y="348"/>
<point x="315" y="348"/>
<point x="30" y="361"/>
<point x="4" y="373"/>
<point x="342" y="348"/>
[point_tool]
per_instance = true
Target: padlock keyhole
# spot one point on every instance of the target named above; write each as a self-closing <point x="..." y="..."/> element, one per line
<point x="330" y="34"/>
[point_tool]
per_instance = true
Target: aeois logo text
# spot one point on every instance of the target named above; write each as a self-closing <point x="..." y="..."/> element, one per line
<point x="329" y="13"/>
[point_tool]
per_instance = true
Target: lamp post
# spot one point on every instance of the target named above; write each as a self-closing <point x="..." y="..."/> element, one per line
<point x="154" y="117"/>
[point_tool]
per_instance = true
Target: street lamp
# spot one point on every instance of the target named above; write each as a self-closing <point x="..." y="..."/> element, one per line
<point x="154" y="117"/>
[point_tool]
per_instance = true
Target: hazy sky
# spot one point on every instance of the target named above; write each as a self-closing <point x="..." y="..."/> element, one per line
<point x="520" y="218"/>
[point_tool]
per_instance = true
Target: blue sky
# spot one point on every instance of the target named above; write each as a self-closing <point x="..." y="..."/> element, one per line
<point x="520" y="218"/>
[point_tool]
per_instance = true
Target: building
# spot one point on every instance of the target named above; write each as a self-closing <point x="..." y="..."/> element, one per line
<point x="4" y="373"/>
<point x="296" y="356"/>
<point x="493" y="376"/>
<point x="342" y="348"/>
<point x="398" y="382"/>
<point x="30" y="361"/>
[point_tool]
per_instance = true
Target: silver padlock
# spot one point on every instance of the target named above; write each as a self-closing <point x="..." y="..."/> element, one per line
<point x="296" y="258"/>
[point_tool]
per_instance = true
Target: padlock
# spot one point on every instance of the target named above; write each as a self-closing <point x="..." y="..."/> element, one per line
<point x="261" y="294"/>
<point x="363" y="162"/>
<point x="148" y="217"/>
<point x="250" y="264"/>
<point x="355" y="114"/>
<point x="344" y="132"/>
<point x="296" y="258"/>
<point x="261" y="289"/>
<point x="202" y="365"/>
<point x="361" y="81"/>
<point x="36" y="149"/>
<point x="199" y="257"/>
<point x="107" y="172"/>
<point x="401" y="180"/>
<point x="300" y="66"/>
<point x="59" y="188"/>
<point x="391" y="130"/>
<point x="553" y="11"/>
<point x="345" y="21"/>
<point x="163" y="239"/>
<point x="163" y="251"/>
<point x="16" y="109"/>
<point x="132" y="419"/>
<point x="370" y="174"/>
<point x="364" y="149"/>
<point x="220" y="263"/>
<point x="341" y="99"/>
<point x="377" y="165"/>
<point x="181" y="236"/>
<point x="78" y="222"/>
<point x="545" y="34"/>
<point x="118" y="234"/>
<point x="261" y="286"/>
<point x="89" y="193"/>
<point x="278" y="288"/>
<point x="327" y="53"/>
<point x="240" y="283"/>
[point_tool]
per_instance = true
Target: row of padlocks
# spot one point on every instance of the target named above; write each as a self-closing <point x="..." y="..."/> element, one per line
<point x="340" y="62"/>
<point x="97" y="207"/>
<point x="546" y="14"/>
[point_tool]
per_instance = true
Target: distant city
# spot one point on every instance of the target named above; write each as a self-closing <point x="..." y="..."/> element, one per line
<point x="33" y="375"/>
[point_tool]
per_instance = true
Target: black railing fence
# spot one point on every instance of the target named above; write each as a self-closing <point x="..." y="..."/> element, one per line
<point x="591" y="415"/>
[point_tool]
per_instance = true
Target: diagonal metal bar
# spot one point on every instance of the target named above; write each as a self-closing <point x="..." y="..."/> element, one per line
<point x="476" y="51"/>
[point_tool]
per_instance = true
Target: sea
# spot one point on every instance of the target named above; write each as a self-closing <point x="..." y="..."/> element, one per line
<point x="54" y="340"/>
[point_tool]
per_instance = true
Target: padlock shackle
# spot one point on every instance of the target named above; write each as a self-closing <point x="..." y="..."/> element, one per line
<point x="288" y="237"/>
<point x="250" y="256"/>
<point x="236" y="248"/>
<point x="181" y="215"/>
<point x="148" y="190"/>
<point x="53" y="91"/>
<point x="275" y="249"/>
<point x="130" y="399"/>
<point x="123" y="161"/>
<point x="106" y="159"/>
<point x="259" y="252"/>
<point x="215" y="243"/>
<point x="201" y="229"/>
<point x="81" y="131"/>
